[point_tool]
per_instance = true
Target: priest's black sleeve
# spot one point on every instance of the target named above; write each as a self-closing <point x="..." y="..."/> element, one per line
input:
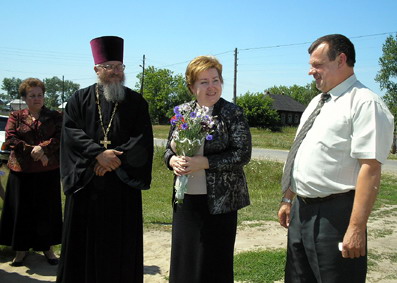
<point x="78" y="149"/>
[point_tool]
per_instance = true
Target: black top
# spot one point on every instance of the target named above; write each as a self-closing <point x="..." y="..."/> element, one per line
<point x="228" y="152"/>
<point x="130" y="132"/>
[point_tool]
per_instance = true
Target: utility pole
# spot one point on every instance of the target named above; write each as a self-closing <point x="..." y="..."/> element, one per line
<point x="235" y="77"/>
<point x="143" y="73"/>
<point x="63" y="92"/>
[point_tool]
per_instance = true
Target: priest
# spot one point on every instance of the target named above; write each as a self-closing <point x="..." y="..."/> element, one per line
<point x="106" y="160"/>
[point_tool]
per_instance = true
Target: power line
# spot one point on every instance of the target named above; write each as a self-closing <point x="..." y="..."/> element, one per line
<point x="309" y="42"/>
<point x="39" y="55"/>
<point x="276" y="46"/>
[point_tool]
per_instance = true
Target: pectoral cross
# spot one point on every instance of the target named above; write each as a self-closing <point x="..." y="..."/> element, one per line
<point x="105" y="142"/>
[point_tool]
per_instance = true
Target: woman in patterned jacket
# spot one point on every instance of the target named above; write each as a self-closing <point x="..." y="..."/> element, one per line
<point x="205" y="224"/>
<point x="32" y="213"/>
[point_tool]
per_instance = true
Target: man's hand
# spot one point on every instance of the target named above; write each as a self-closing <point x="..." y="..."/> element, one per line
<point x="368" y="181"/>
<point x="284" y="214"/>
<point x="284" y="211"/>
<point x="354" y="243"/>
<point x="108" y="160"/>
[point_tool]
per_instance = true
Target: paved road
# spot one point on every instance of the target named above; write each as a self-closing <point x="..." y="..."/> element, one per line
<point x="390" y="166"/>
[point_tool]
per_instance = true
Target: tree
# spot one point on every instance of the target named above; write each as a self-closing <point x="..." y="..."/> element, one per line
<point x="180" y="94"/>
<point x="163" y="91"/>
<point x="58" y="91"/>
<point x="387" y="77"/>
<point x="11" y="86"/>
<point x="259" y="111"/>
<point x="55" y="87"/>
<point x="387" y="74"/>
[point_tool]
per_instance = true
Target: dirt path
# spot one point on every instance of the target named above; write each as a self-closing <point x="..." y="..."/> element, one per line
<point x="259" y="235"/>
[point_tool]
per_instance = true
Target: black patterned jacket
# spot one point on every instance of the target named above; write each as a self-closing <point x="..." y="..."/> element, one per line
<point x="227" y="153"/>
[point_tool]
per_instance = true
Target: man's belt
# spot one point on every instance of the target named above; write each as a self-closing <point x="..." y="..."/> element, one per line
<point x="317" y="200"/>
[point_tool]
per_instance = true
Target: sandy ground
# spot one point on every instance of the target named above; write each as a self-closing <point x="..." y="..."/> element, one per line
<point x="251" y="236"/>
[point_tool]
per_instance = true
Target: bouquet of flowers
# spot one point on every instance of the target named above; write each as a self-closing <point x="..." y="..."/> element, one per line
<point x="192" y="126"/>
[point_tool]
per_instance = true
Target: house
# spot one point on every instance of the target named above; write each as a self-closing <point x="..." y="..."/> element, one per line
<point x="289" y="110"/>
<point x="62" y="106"/>
<point x="17" y="104"/>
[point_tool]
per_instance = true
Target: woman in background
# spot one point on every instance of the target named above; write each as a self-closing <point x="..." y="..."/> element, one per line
<point x="32" y="213"/>
<point x="205" y="224"/>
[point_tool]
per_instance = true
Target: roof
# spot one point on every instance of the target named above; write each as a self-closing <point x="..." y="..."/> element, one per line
<point x="63" y="105"/>
<point x="17" y="101"/>
<point x="286" y="103"/>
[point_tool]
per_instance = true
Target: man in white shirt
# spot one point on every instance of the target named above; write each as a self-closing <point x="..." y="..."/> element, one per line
<point x="336" y="171"/>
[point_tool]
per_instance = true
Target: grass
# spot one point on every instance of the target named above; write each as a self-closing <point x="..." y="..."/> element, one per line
<point x="274" y="140"/>
<point x="263" y="178"/>
<point x="157" y="205"/>
<point x="264" y="198"/>
<point x="260" y="266"/>
<point x="161" y="131"/>
<point x="260" y="137"/>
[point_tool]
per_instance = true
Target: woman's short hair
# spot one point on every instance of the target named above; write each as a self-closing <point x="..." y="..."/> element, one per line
<point x="199" y="64"/>
<point x="28" y="84"/>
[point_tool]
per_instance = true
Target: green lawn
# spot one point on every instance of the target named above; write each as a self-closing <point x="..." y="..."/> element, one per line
<point x="263" y="178"/>
<point x="260" y="137"/>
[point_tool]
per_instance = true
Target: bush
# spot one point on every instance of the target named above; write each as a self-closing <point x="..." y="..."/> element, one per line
<point x="259" y="111"/>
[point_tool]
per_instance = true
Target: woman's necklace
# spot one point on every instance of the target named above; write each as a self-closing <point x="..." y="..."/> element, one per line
<point x="105" y="140"/>
<point x="34" y="115"/>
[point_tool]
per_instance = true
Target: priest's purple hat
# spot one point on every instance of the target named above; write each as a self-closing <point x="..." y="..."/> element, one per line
<point x="107" y="48"/>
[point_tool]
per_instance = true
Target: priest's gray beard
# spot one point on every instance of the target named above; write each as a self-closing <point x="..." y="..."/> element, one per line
<point x="113" y="91"/>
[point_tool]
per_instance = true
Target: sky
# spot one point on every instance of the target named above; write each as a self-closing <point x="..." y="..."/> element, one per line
<point x="47" y="38"/>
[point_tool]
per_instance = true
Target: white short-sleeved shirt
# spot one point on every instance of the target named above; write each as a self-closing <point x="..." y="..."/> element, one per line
<point x="353" y="124"/>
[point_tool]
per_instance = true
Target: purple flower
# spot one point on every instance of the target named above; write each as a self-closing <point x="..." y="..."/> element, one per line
<point x="209" y="137"/>
<point x="193" y="115"/>
<point x="184" y="126"/>
<point x="176" y="110"/>
<point x="174" y="120"/>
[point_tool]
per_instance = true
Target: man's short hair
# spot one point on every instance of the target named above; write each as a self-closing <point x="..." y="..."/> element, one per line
<point x="338" y="44"/>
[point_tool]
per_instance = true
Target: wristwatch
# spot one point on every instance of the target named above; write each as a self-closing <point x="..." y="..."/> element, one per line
<point x="286" y="200"/>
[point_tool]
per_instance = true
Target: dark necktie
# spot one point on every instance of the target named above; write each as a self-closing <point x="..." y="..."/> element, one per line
<point x="286" y="179"/>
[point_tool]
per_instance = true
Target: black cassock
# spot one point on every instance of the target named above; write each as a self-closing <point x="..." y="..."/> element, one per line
<point x="103" y="234"/>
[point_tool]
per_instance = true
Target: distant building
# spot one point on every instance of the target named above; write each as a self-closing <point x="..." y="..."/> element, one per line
<point x="289" y="110"/>
<point x="62" y="106"/>
<point x="16" y="104"/>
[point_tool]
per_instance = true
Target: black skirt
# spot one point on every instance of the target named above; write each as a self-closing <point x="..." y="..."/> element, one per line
<point x="103" y="234"/>
<point x="32" y="211"/>
<point x="202" y="244"/>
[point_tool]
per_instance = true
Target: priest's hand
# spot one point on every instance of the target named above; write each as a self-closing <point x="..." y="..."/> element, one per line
<point x="108" y="159"/>
<point x="37" y="153"/>
<point x="100" y="170"/>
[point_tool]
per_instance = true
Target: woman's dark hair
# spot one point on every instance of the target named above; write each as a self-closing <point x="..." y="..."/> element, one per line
<point x="338" y="44"/>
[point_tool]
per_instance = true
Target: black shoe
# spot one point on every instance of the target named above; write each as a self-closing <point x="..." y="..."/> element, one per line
<point x="52" y="261"/>
<point x="16" y="263"/>
<point x="19" y="263"/>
